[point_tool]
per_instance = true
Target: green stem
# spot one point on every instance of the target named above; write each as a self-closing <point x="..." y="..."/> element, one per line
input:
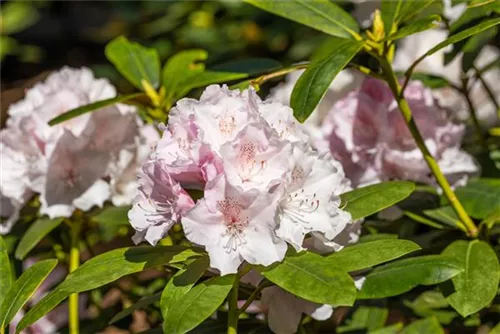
<point x="253" y="296"/>
<point x="74" y="262"/>
<point x="266" y="77"/>
<point x="232" y="321"/>
<point x="392" y="80"/>
<point x="473" y="114"/>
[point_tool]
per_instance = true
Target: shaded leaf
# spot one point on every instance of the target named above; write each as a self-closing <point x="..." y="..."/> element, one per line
<point x="445" y="215"/>
<point x="315" y="81"/>
<point x="322" y="15"/>
<point x="111" y="219"/>
<point x="35" y="233"/>
<point x="400" y="276"/>
<point x="480" y="197"/>
<point x="310" y="276"/>
<point x="368" y="200"/>
<point x="365" y="317"/>
<point x="141" y="304"/>
<point x="476" y="287"/>
<point x="134" y="61"/>
<point x="429" y="325"/>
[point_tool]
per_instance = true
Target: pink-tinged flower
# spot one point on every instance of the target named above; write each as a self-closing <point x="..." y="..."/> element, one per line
<point x="235" y="226"/>
<point x="160" y="203"/>
<point x="310" y="197"/>
<point x="368" y="134"/>
<point x="256" y="158"/>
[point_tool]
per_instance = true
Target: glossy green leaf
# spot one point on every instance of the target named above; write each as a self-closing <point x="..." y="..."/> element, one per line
<point x="140" y="304"/>
<point x="370" y="254"/>
<point x="314" y="82"/>
<point x="428" y="325"/>
<point x="22" y="289"/>
<point x="134" y="61"/>
<point x="403" y="275"/>
<point x="103" y="269"/>
<point x="181" y="283"/>
<point x="92" y="107"/>
<point x="395" y="12"/>
<point x="415" y="27"/>
<point x="311" y="277"/>
<point x="111" y="220"/>
<point x="198" y="304"/>
<point x="480" y="197"/>
<point x="322" y="15"/>
<point x="368" y="200"/>
<point x="6" y="274"/>
<point x="476" y="287"/>
<point x="35" y="233"/>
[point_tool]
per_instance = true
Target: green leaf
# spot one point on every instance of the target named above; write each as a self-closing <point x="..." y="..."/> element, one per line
<point x="134" y="61"/>
<point x="22" y="289"/>
<point x="474" y="45"/>
<point x="111" y="219"/>
<point x="431" y="81"/>
<point x="206" y="78"/>
<point x="395" y="12"/>
<point x="198" y="304"/>
<point x="6" y="274"/>
<point x="103" y="269"/>
<point x="17" y="16"/>
<point x="141" y="304"/>
<point x="400" y="276"/>
<point x="370" y="254"/>
<point x="314" y="82"/>
<point x="310" y="276"/>
<point x="416" y="27"/>
<point x="432" y="304"/>
<point x="365" y="317"/>
<point x="429" y="325"/>
<point x="480" y="197"/>
<point x="181" y="283"/>
<point x="423" y="220"/>
<point x="322" y="15"/>
<point x="492" y="219"/>
<point x="35" y="233"/>
<point x="392" y="329"/>
<point x="365" y="201"/>
<point x="92" y="107"/>
<point x="476" y="287"/>
<point x="445" y="215"/>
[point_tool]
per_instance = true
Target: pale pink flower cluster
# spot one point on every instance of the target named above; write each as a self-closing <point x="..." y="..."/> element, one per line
<point x="77" y="164"/>
<point x="367" y="132"/>
<point x="263" y="185"/>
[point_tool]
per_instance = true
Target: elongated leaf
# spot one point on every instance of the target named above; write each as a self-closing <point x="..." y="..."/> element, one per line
<point x="445" y="215"/>
<point x="198" y="304"/>
<point x="311" y="277"/>
<point x="428" y="325"/>
<point x="480" y="197"/>
<point x="368" y="200"/>
<point x="423" y="220"/>
<point x="476" y="287"/>
<point x="322" y="15"/>
<point x="35" y="233"/>
<point x="6" y="275"/>
<point x="400" y="276"/>
<point x="395" y="12"/>
<point x="207" y="78"/>
<point x="416" y="27"/>
<point x="101" y="270"/>
<point x="181" y="283"/>
<point x="313" y="84"/>
<point x="21" y="291"/>
<point x="134" y="61"/>
<point x="370" y="254"/>
<point x="92" y="107"/>
<point x="142" y="303"/>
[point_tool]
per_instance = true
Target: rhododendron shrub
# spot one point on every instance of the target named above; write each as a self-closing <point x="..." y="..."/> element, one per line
<point x="323" y="196"/>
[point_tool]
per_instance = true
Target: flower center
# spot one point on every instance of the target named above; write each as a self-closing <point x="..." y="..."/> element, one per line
<point x="298" y="204"/>
<point x="247" y="163"/>
<point x="234" y="221"/>
<point x="227" y="125"/>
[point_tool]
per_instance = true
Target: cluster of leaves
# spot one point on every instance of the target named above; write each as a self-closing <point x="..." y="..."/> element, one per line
<point x="423" y="262"/>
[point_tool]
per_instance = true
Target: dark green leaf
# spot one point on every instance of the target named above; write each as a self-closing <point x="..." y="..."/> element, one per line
<point x="134" y="61"/>
<point x="22" y="289"/>
<point x="368" y="200"/>
<point x="365" y="317"/>
<point x="141" y="304"/>
<point x="480" y="197"/>
<point x="198" y="304"/>
<point x="322" y="15"/>
<point x="431" y="81"/>
<point x="92" y="107"/>
<point x="432" y="304"/>
<point x="472" y="15"/>
<point x="476" y="287"/>
<point x="415" y="27"/>
<point x="474" y="45"/>
<point x="314" y="82"/>
<point x="400" y="276"/>
<point x="395" y="12"/>
<point x="251" y="66"/>
<point x="103" y="269"/>
<point x="6" y="274"/>
<point x="310" y="276"/>
<point x="429" y="325"/>
<point x="35" y="233"/>
<point x="181" y="283"/>
<point x="370" y="254"/>
<point x="111" y="219"/>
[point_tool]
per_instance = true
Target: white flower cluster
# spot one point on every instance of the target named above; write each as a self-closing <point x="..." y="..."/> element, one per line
<point x="77" y="164"/>
<point x="264" y="186"/>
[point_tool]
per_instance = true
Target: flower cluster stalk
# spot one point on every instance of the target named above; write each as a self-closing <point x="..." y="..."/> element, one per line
<point x="74" y="263"/>
<point x="232" y="322"/>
